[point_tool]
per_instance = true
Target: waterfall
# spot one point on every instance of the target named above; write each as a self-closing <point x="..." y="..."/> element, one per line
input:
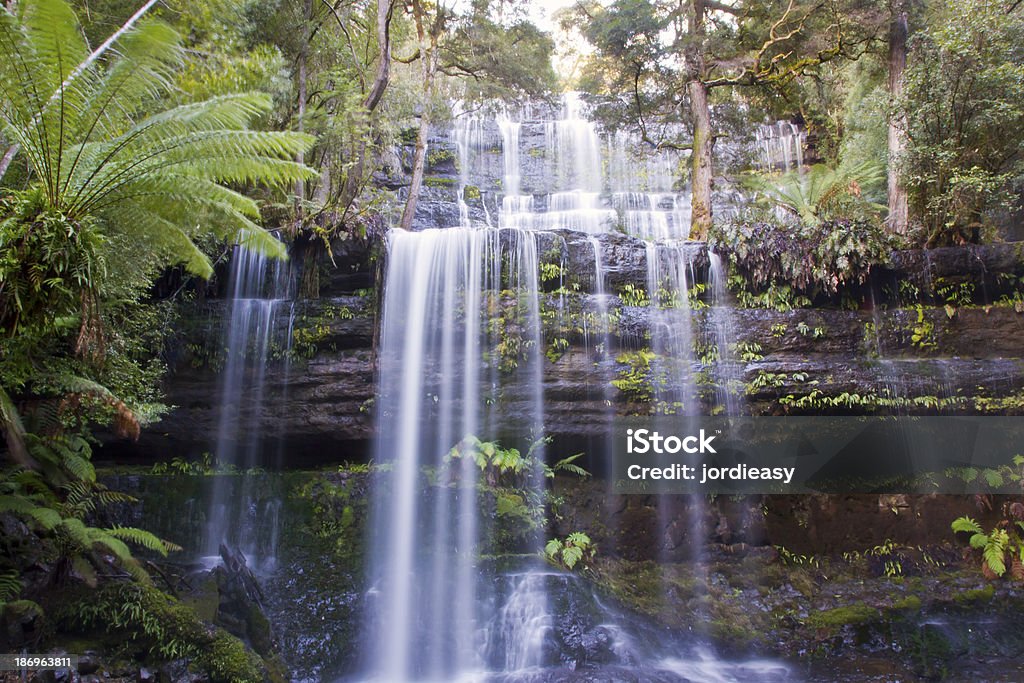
<point x="433" y="337"/>
<point x="728" y="369"/>
<point x="470" y="143"/>
<point x="461" y="354"/>
<point x="669" y="272"/>
<point x="259" y="295"/>
<point x="780" y="146"/>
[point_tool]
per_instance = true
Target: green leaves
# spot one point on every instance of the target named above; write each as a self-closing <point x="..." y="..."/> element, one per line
<point x="158" y="178"/>
<point x="966" y="524"/>
<point x="569" y="552"/>
<point x="994" y="546"/>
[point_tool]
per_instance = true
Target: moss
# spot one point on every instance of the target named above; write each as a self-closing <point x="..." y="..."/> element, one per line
<point x="226" y="659"/>
<point x="911" y="603"/>
<point x="975" y="596"/>
<point x="149" y="623"/>
<point x="438" y="181"/>
<point x="440" y="157"/>
<point x="850" y="615"/>
<point x="471" y="192"/>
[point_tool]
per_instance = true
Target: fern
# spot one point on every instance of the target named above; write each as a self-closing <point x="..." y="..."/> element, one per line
<point x="966" y="524"/>
<point x="571" y="555"/>
<point x="10" y="586"/>
<point x="143" y="538"/>
<point x="995" y="551"/>
<point x="160" y="181"/>
<point x="567" y="465"/>
<point x="578" y="538"/>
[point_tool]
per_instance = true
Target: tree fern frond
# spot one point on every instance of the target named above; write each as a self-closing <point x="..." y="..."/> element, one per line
<point x="56" y="39"/>
<point x="126" y="423"/>
<point x="91" y="159"/>
<point x="143" y="538"/>
<point x="258" y="240"/>
<point x="77" y="532"/>
<point x="47" y="518"/>
<point x="10" y="585"/>
<point x="169" y="241"/>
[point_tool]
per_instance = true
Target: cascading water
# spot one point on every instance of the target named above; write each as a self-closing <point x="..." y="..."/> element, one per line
<point x="461" y="355"/>
<point x="237" y="516"/>
<point x="728" y="370"/>
<point x="780" y="146"/>
<point x="428" y="591"/>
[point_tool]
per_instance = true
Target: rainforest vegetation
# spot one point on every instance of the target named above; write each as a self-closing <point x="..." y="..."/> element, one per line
<point x="141" y="141"/>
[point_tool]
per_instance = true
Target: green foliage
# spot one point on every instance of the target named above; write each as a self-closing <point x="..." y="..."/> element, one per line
<point x="500" y="466"/>
<point x="922" y="334"/>
<point x="631" y="295"/>
<point x="46" y="261"/>
<point x="338" y="505"/>
<point x="574" y="549"/>
<point x="812" y="258"/>
<point x="822" y="193"/>
<point x="638" y="381"/>
<point x="964" y="110"/>
<point x="748" y="352"/>
<point x="1003" y="542"/>
<point x="153" y="622"/>
<point x="156" y="181"/>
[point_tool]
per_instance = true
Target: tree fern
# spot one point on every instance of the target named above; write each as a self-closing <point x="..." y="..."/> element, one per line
<point x="160" y="179"/>
<point x="808" y="195"/>
<point x="45" y="517"/>
<point x="143" y="538"/>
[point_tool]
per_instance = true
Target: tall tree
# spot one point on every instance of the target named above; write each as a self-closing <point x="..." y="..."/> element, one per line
<point x="428" y="34"/>
<point x="898" y="201"/>
<point x="724" y="45"/>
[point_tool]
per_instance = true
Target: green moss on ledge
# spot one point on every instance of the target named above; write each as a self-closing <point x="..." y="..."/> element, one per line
<point x="850" y="615"/>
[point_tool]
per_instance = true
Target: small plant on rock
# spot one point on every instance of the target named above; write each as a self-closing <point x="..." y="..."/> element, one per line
<point x="1002" y="548"/>
<point x="571" y="551"/>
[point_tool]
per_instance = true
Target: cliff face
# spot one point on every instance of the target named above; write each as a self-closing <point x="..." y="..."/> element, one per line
<point x="318" y="389"/>
<point x="911" y="354"/>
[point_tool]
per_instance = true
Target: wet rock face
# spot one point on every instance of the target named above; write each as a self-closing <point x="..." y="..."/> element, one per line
<point x="318" y="390"/>
<point x="672" y="528"/>
<point x="317" y="395"/>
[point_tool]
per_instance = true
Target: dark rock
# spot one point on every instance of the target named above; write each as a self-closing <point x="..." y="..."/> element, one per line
<point x="88" y="663"/>
<point x="176" y="672"/>
<point x="240" y="610"/>
<point x="145" y="676"/>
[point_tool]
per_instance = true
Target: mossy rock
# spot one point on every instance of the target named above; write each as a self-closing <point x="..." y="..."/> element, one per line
<point x="911" y="603"/>
<point x="151" y="625"/>
<point x="471" y="192"/>
<point x="975" y="596"/>
<point x="850" y="615"/>
<point x="438" y="181"/>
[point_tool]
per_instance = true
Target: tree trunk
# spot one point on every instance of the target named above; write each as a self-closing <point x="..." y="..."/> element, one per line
<point x="428" y="61"/>
<point x="380" y="82"/>
<point x="898" y="211"/>
<point x="702" y="173"/>
<point x="8" y="157"/>
<point x="354" y="177"/>
<point x="302" y="86"/>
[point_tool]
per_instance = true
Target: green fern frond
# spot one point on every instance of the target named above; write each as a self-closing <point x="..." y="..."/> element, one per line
<point x="143" y="538"/>
<point x="966" y="524"/>
<point x="995" y="551"/>
<point x="10" y="585"/>
<point x="47" y="518"/>
<point x="76" y="532"/>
